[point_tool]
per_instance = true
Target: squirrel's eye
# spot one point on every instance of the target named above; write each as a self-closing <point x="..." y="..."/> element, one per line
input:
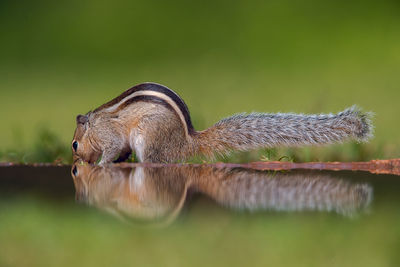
<point x="75" y="145"/>
<point x="75" y="171"/>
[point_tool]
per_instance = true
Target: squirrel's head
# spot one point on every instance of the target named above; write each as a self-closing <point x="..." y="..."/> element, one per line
<point x="82" y="148"/>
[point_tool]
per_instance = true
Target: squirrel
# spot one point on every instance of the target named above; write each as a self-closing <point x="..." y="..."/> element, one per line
<point x="154" y="122"/>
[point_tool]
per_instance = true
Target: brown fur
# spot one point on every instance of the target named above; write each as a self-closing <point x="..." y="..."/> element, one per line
<point x="157" y="126"/>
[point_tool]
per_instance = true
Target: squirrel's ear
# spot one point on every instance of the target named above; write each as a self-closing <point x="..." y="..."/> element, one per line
<point x="81" y="119"/>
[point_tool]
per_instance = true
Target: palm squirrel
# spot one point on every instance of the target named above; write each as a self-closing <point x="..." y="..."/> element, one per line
<point x="154" y="122"/>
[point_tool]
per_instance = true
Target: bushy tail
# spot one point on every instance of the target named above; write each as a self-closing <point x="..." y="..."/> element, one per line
<point x="257" y="130"/>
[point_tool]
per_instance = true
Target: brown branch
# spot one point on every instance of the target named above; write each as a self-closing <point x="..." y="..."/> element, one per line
<point x="388" y="166"/>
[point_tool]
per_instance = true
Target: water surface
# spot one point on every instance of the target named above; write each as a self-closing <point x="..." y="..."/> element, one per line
<point x="196" y="215"/>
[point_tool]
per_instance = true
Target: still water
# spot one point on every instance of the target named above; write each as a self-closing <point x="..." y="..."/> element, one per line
<point x="196" y="215"/>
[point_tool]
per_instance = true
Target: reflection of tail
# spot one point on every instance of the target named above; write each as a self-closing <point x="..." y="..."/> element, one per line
<point x="254" y="190"/>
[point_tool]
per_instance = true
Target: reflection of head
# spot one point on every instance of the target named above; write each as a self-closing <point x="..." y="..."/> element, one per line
<point x="158" y="194"/>
<point x="139" y="193"/>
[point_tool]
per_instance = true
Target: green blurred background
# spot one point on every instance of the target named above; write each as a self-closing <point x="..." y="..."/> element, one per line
<point x="59" y="59"/>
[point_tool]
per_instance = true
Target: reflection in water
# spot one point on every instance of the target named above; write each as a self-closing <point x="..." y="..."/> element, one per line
<point x="158" y="194"/>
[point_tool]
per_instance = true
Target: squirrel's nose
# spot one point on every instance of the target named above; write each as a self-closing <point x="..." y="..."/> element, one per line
<point x="75" y="158"/>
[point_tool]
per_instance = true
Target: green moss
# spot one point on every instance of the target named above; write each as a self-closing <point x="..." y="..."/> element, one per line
<point x="47" y="147"/>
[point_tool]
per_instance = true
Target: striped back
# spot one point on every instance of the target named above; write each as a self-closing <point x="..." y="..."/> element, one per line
<point x="151" y="92"/>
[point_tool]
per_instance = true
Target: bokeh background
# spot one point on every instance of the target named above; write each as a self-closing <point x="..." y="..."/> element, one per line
<point x="59" y="59"/>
